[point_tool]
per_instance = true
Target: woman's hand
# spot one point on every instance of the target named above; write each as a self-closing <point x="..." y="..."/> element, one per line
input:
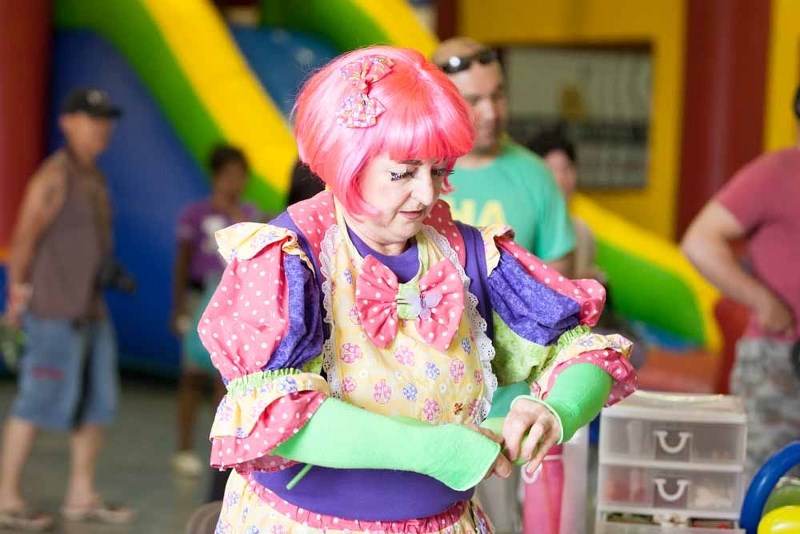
<point x="501" y="466"/>
<point x="773" y="315"/>
<point x="543" y="430"/>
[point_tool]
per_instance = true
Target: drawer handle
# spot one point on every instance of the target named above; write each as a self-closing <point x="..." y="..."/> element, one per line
<point x="662" y="490"/>
<point x="683" y="439"/>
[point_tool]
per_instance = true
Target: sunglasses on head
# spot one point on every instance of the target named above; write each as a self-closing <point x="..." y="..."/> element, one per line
<point x="460" y="63"/>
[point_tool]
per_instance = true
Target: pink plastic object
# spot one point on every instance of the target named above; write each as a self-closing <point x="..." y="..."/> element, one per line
<point x="554" y="496"/>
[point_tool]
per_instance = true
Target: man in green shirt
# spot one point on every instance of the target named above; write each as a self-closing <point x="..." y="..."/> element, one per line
<point x="503" y="182"/>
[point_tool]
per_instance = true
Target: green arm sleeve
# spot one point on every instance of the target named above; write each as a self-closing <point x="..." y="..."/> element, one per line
<point x="577" y="396"/>
<point x="343" y="436"/>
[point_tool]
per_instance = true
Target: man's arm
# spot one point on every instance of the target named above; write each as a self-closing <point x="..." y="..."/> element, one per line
<point x="43" y="199"/>
<point x="564" y="264"/>
<point x="707" y="244"/>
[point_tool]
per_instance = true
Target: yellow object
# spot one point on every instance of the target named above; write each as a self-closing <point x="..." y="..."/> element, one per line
<point x="223" y="82"/>
<point x="657" y="24"/>
<point x="400" y="24"/>
<point x="780" y="128"/>
<point x="784" y="520"/>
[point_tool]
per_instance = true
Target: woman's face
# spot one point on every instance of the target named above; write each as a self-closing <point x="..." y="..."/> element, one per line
<point x="231" y="180"/>
<point x="403" y="192"/>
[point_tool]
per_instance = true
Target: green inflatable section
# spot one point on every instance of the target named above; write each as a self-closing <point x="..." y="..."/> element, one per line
<point x="644" y="292"/>
<point x="336" y="20"/>
<point x="129" y="27"/>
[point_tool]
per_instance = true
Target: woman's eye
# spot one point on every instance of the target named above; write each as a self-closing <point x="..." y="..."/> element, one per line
<point x="400" y="175"/>
<point x="441" y="173"/>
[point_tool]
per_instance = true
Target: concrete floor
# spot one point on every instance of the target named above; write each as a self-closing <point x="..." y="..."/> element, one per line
<point x="135" y="465"/>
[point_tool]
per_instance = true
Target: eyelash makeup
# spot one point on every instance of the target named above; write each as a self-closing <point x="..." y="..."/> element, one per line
<point x="437" y="173"/>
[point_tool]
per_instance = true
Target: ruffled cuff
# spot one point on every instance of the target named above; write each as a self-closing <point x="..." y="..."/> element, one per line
<point x="261" y="411"/>
<point x="610" y="353"/>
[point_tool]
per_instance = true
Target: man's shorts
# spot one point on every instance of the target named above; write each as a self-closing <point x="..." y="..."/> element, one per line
<point x="67" y="374"/>
<point x="765" y="378"/>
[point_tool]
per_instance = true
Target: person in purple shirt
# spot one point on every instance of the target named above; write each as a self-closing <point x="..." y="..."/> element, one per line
<point x="198" y="265"/>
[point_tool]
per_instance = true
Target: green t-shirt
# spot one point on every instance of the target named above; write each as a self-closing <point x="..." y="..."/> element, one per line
<point x="515" y="189"/>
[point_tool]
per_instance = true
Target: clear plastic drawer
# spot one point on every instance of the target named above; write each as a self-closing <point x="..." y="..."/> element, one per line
<point x="673" y="441"/>
<point x="718" y="494"/>
<point x="610" y="523"/>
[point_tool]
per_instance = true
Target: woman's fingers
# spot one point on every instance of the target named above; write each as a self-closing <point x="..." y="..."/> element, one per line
<point x="540" y="425"/>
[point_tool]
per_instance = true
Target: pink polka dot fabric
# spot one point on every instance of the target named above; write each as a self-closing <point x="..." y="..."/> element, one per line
<point x="590" y="294"/>
<point x="313" y="217"/>
<point x="615" y="364"/>
<point x="279" y="421"/>
<point x="441" y="219"/>
<point x="247" y="316"/>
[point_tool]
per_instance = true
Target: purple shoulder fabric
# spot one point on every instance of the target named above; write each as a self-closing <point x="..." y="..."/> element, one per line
<point x="284" y="220"/>
<point x="531" y="309"/>
<point x="476" y="271"/>
<point x="302" y="341"/>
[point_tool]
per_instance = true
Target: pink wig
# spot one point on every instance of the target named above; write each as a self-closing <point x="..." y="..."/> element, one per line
<point x="425" y="118"/>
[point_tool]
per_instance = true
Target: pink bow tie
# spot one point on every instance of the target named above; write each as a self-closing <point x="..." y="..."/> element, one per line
<point x="436" y="306"/>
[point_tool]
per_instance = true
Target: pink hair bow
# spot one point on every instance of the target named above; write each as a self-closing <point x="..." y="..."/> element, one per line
<point x="359" y="110"/>
<point x="436" y="305"/>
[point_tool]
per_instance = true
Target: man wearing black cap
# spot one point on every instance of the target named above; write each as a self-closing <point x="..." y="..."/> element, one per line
<point x="761" y="204"/>
<point x="67" y="377"/>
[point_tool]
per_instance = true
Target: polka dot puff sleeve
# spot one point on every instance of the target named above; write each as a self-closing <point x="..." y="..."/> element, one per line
<point x="537" y="308"/>
<point x="263" y="330"/>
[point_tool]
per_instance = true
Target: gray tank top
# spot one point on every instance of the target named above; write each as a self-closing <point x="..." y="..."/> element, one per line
<point x="71" y="251"/>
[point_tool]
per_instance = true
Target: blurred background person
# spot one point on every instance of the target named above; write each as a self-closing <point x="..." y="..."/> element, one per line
<point x="198" y="266"/>
<point x="760" y="204"/>
<point x="500" y="181"/>
<point x="560" y="156"/>
<point x="58" y="265"/>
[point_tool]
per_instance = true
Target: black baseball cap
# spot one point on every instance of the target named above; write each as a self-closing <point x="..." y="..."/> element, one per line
<point x="93" y="102"/>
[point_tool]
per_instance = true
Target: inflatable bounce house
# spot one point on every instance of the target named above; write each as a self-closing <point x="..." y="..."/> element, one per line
<point x="188" y="79"/>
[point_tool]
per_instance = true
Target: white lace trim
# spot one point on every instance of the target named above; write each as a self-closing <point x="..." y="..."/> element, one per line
<point x="477" y="323"/>
<point x="327" y="250"/>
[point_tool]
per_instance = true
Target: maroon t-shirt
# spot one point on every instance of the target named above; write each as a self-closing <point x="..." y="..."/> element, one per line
<point x="764" y="196"/>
